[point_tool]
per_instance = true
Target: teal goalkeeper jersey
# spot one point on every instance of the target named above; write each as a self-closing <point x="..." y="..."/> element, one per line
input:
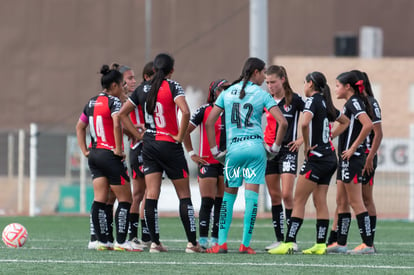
<point x="243" y="117"/>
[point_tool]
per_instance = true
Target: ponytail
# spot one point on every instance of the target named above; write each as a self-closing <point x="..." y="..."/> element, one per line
<point x="320" y="85"/>
<point x="163" y="66"/>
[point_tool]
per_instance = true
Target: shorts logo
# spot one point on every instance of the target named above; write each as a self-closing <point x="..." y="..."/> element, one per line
<point x="203" y="170"/>
<point x="237" y="172"/>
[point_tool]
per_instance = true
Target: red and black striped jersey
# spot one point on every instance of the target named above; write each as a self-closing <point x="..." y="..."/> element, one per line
<point x="99" y="111"/>
<point x="199" y="118"/>
<point x="164" y="121"/>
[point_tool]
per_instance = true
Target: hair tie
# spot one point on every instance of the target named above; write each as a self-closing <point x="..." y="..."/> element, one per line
<point x="360" y="84"/>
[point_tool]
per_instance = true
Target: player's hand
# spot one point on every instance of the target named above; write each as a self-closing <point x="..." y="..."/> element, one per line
<point x="271" y="151"/>
<point x="198" y="159"/>
<point x="221" y="156"/>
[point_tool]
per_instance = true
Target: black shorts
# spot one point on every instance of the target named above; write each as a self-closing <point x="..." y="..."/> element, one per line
<point x="285" y="162"/>
<point x="210" y="171"/>
<point x="369" y="178"/>
<point x="351" y="170"/>
<point x="160" y="156"/>
<point x="320" y="169"/>
<point x="136" y="161"/>
<point x="103" y="163"/>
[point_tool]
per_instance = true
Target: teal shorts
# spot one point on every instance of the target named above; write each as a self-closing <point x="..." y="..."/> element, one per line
<point x="246" y="162"/>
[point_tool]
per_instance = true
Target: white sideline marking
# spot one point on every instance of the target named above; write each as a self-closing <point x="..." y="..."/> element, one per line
<point x="204" y="263"/>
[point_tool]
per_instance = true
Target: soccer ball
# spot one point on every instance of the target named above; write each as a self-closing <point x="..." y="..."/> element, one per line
<point x="14" y="235"/>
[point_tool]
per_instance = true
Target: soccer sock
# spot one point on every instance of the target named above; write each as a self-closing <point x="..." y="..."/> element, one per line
<point x="293" y="229"/>
<point x="250" y="214"/>
<point x="133" y="225"/>
<point x="288" y="215"/>
<point x="145" y="235"/>
<point x="109" y="211"/>
<point x="333" y="237"/>
<point x="373" y="220"/>
<point x="188" y="219"/>
<point x="92" y="229"/>
<point x="344" y="222"/>
<point x="99" y="221"/>
<point x="204" y="215"/>
<point x="151" y="218"/>
<point x="217" y="205"/>
<point x="122" y="221"/>
<point x="226" y="216"/>
<point x="321" y="230"/>
<point x="278" y="221"/>
<point x="364" y="225"/>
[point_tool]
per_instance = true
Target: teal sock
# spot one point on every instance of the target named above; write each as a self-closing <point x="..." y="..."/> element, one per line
<point x="250" y="213"/>
<point x="226" y="216"/>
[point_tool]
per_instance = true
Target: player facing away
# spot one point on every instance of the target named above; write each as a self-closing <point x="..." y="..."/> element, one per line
<point x="319" y="165"/>
<point x="210" y="170"/>
<point x="105" y="158"/>
<point x="245" y="160"/>
<point x="162" y="149"/>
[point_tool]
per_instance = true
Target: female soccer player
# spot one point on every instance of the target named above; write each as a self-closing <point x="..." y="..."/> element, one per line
<point x="105" y="158"/>
<point x="210" y="170"/>
<point x="282" y="168"/>
<point x="351" y="153"/>
<point x="319" y="165"/>
<point x="162" y="149"/>
<point x="373" y="143"/>
<point x="243" y="104"/>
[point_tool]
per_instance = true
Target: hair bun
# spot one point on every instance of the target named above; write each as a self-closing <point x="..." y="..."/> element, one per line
<point x="104" y="69"/>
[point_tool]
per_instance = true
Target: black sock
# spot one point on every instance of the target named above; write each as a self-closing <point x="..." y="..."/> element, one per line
<point x="364" y="225"/>
<point x="373" y="220"/>
<point x="216" y="218"/>
<point x="204" y="215"/>
<point x="92" y="229"/>
<point x="333" y="237"/>
<point x="99" y="221"/>
<point x="278" y="221"/>
<point x="288" y="215"/>
<point x="151" y="218"/>
<point x="145" y="235"/>
<point x="188" y="219"/>
<point x="321" y="230"/>
<point x="109" y="211"/>
<point x="293" y="229"/>
<point x="344" y="222"/>
<point x="133" y="225"/>
<point x="122" y="221"/>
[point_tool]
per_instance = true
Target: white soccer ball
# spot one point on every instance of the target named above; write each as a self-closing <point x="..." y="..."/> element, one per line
<point x="14" y="235"/>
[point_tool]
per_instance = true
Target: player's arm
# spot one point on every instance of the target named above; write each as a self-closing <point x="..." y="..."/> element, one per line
<point x="185" y="118"/>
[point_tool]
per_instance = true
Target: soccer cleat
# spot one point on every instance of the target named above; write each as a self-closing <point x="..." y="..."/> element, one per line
<point x="157" y="248"/>
<point x="100" y="246"/>
<point x="217" y="249"/>
<point x="126" y="246"/>
<point x="273" y="245"/>
<point x="110" y="245"/>
<point x="336" y="248"/>
<point x="295" y="247"/>
<point x="282" y="249"/>
<point x="246" y="250"/>
<point x="136" y="244"/>
<point x="146" y="244"/>
<point x="193" y="248"/>
<point x="203" y="241"/>
<point x="332" y="244"/>
<point x="92" y="244"/>
<point x="213" y="241"/>
<point x="362" y="249"/>
<point x="317" y="249"/>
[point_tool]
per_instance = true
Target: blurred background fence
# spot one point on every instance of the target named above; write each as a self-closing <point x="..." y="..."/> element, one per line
<point x="59" y="162"/>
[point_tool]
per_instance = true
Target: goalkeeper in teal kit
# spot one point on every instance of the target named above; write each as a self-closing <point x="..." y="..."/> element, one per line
<point x="243" y="104"/>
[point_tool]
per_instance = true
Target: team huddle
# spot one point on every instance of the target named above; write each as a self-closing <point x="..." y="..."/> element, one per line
<point x="233" y="150"/>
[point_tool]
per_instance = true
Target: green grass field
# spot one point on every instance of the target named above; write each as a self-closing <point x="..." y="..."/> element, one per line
<point x="58" y="245"/>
